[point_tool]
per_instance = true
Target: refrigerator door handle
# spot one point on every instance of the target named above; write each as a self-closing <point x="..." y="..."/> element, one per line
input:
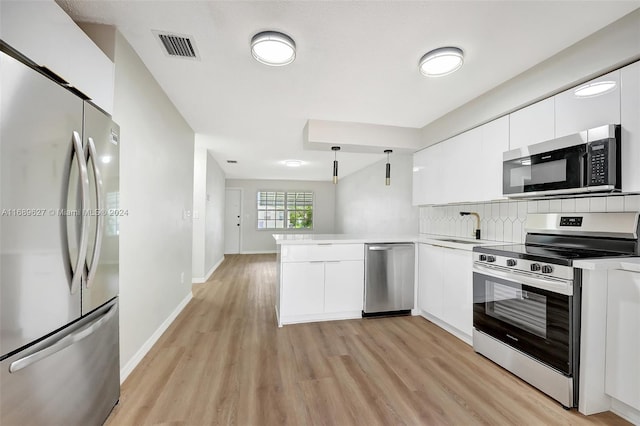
<point x="76" y="335"/>
<point x="84" y="228"/>
<point x="91" y="153"/>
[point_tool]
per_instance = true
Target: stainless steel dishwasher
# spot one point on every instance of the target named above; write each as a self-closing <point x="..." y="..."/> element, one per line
<point x="389" y="279"/>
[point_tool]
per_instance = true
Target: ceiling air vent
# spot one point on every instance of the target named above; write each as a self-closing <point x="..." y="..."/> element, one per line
<point x="177" y="45"/>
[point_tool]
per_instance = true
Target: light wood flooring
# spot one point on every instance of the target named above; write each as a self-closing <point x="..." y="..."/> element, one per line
<point x="224" y="361"/>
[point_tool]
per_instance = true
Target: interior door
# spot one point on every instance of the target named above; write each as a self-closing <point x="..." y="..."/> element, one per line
<point x="101" y="148"/>
<point x="38" y="119"/>
<point x="232" y="220"/>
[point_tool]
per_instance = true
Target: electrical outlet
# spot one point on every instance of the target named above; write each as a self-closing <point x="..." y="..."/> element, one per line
<point x="181" y="277"/>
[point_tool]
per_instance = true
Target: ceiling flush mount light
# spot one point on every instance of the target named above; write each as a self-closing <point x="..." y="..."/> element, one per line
<point x="590" y="90"/>
<point x="335" y="150"/>
<point x="387" y="176"/>
<point x="442" y="61"/>
<point x="293" y="163"/>
<point x="273" y="48"/>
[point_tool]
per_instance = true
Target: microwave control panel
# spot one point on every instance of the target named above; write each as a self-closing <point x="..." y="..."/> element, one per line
<point x="598" y="165"/>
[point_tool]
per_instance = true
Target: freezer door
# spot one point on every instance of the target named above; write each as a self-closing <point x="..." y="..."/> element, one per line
<point x="40" y="128"/>
<point x="71" y="378"/>
<point x="389" y="277"/>
<point x="101" y="143"/>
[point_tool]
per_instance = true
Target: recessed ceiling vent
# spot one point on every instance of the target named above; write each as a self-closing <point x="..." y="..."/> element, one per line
<point x="177" y="45"/>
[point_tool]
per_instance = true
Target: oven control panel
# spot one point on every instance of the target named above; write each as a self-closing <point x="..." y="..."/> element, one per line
<point x="533" y="267"/>
<point x="571" y="221"/>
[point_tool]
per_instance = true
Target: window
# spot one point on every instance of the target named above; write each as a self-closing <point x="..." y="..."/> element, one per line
<point x="285" y="210"/>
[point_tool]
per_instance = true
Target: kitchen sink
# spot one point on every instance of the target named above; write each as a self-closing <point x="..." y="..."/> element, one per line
<point x="451" y="240"/>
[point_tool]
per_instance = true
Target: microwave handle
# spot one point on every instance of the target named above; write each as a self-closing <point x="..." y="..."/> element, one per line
<point x="584" y="169"/>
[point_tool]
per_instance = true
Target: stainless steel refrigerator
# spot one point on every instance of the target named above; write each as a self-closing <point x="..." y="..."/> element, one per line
<point x="59" y="338"/>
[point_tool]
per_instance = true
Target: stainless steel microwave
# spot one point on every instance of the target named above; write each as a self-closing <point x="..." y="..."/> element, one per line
<point x="584" y="162"/>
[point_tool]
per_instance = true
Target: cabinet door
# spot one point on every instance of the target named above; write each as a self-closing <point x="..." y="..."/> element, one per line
<point x="630" y="122"/>
<point x="495" y="141"/>
<point x="575" y="114"/>
<point x="457" y="289"/>
<point x="343" y="286"/>
<point x="466" y="169"/>
<point x="430" y="270"/>
<point x="622" y="371"/>
<point x="302" y="288"/>
<point x="60" y="46"/>
<point x="533" y="124"/>
<point x="427" y="178"/>
<point x="420" y="160"/>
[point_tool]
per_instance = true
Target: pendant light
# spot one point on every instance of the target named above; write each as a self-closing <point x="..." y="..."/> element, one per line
<point x="335" y="150"/>
<point x="387" y="177"/>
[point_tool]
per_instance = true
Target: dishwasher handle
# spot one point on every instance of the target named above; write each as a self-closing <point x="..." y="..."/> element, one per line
<point x="379" y="248"/>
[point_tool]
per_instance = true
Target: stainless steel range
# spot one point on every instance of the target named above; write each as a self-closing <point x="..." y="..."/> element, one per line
<point x="526" y="297"/>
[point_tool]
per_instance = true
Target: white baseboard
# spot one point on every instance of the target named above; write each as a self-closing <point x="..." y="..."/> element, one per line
<point x="447" y="327"/>
<point x="259" y="252"/>
<point x="146" y="347"/>
<point x="200" y="280"/>
<point x="625" y="411"/>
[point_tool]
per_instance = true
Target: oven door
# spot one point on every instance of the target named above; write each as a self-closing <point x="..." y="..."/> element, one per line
<point x="535" y="321"/>
<point x="554" y="172"/>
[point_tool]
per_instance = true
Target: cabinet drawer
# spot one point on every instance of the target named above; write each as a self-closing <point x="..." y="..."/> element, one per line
<point x="321" y="252"/>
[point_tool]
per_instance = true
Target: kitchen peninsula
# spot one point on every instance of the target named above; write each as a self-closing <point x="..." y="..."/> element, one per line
<point x="321" y="276"/>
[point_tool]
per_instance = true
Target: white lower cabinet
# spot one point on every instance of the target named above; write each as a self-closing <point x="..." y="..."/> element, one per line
<point x="445" y="288"/>
<point x="320" y="282"/>
<point x="343" y="286"/>
<point x="302" y="288"/>
<point x="457" y="289"/>
<point x="430" y="269"/>
<point x="622" y="377"/>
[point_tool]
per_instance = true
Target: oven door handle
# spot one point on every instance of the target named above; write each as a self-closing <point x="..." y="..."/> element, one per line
<point x="557" y="286"/>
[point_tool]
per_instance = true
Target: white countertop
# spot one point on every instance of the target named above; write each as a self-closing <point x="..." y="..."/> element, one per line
<point x="624" y="263"/>
<point x="456" y="242"/>
<point x="440" y="240"/>
<point x="343" y="238"/>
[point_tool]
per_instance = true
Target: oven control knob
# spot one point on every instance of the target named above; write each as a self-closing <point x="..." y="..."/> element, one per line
<point x="546" y="269"/>
<point x="491" y="259"/>
<point x="483" y="257"/>
<point x="535" y="267"/>
<point x="511" y="262"/>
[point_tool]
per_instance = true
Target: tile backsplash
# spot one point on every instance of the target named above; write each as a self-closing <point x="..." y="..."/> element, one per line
<point x="504" y="220"/>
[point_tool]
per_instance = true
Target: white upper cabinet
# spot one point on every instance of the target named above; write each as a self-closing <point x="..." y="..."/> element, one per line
<point x="630" y="123"/>
<point x="464" y="168"/>
<point x="533" y="124"/>
<point x="576" y="113"/>
<point x="44" y="33"/>
<point x="427" y="176"/>
<point x="495" y="140"/>
<point x="420" y="163"/>
<point x="463" y="179"/>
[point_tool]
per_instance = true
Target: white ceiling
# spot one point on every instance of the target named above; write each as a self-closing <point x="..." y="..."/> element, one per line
<point x="357" y="61"/>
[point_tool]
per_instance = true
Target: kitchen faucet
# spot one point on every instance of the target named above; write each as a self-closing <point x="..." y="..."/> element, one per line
<point x="477" y="231"/>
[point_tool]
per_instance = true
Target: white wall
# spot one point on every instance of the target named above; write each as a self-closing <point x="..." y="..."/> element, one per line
<point x="156" y="186"/>
<point x="610" y="48"/>
<point x="364" y="204"/>
<point x="208" y="214"/>
<point x="261" y="241"/>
